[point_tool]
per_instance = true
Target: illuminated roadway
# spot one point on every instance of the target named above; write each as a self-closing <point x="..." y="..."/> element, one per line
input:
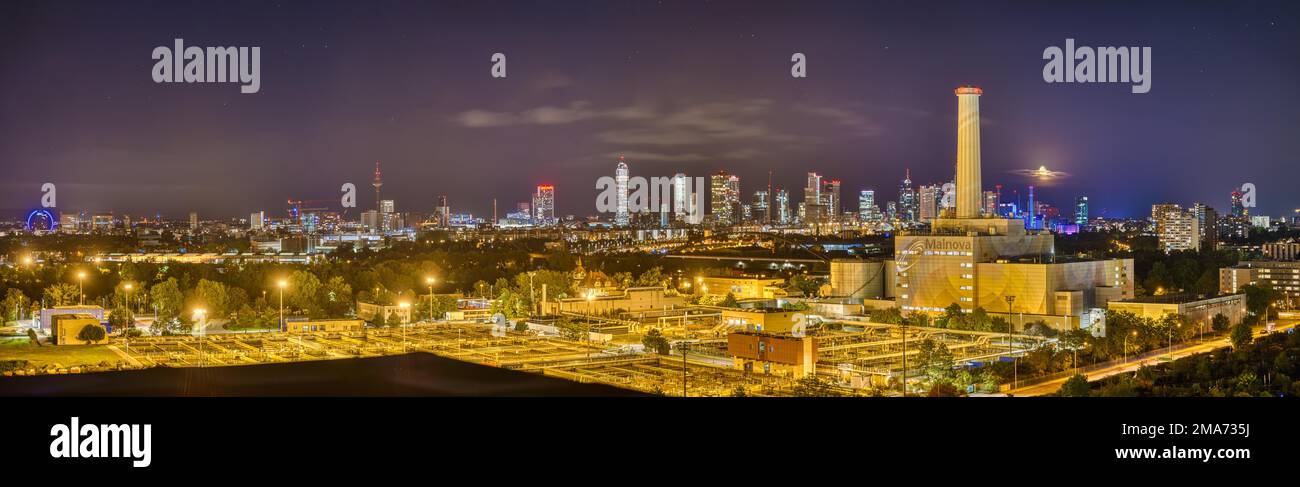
<point x="1152" y="358"/>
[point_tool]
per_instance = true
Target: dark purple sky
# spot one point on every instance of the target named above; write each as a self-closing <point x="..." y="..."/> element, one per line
<point x="677" y="86"/>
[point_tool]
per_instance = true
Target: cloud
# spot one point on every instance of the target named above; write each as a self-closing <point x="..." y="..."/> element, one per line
<point x="741" y="121"/>
<point x="858" y="125"/>
<point x="576" y="111"/>
<point x="550" y="81"/>
<point x="657" y="156"/>
<point x="1042" y="174"/>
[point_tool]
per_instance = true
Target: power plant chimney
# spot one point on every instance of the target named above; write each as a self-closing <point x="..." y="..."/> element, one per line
<point x="969" y="189"/>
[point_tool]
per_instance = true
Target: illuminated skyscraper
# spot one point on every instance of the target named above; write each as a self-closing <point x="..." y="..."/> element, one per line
<point x="830" y="198"/>
<point x="620" y="179"/>
<point x="927" y="198"/>
<point x="990" y="204"/>
<point x="783" y="215"/>
<point x="907" y="205"/>
<point x="814" y="207"/>
<point x="725" y="198"/>
<point x="681" y="195"/>
<point x="544" y="205"/>
<point x="1238" y="208"/>
<point x="759" y="205"/>
<point x="1176" y="229"/>
<point x="867" y="205"/>
<point x="1081" y="212"/>
<point x="1207" y="221"/>
<point x="443" y="212"/>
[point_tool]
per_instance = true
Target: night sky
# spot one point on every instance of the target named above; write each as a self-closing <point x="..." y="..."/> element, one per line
<point x="677" y="86"/>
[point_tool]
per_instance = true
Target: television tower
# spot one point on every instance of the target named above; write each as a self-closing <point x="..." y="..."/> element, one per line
<point x="378" y="182"/>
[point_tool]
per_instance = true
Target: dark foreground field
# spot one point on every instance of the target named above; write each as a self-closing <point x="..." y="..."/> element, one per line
<point x="417" y="374"/>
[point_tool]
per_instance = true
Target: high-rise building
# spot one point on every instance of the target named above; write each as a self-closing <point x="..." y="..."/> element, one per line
<point x="1238" y="207"/>
<point x="991" y="201"/>
<point x="813" y="203"/>
<point x="1210" y="228"/>
<point x="443" y="212"/>
<point x="759" y="205"/>
<point x="387" y="206"/>
<point x="867" y="210"/>
<point x="256" y="220"/>
<point x="907" y="204"/>
<point x="783" y="215"/>
<point x="927" y="198"/>
<point x="1176" y="228"/>
<point x="725" y="198"/>
<point x="891" y="211"/>
<point x="1081" y="212"/>
<point x="371" y="220"/>
<point x="620" y="180"/>
<point x="681" y="196"/>
<point x="830" y="198"/>
<point x="194" y="220"/>
<point x="544" y="205"/>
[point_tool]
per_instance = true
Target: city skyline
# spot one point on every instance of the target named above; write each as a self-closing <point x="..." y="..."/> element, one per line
<point x="871" y="109"/>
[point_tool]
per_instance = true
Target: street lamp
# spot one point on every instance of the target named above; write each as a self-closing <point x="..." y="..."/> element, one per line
<point x="1171" y="340"/>
<point x="1015" y="365"/>
<point x="282" y="284"/>
<point x="81" y="293"/>
<point x="203" y="348"/>
<point x="430" y="281"/>
<point x="405" y="306"/>
<point x="1125" y="350"/>
<point x="129" y="316"/>
<point x="201" y="314"/>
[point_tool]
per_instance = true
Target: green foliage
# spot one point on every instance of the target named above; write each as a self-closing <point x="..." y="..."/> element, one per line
<point x="14" y="302"/>
<point x="729" y="301"/>
<point x="1075" y="386"/>
<point x="1260" y="300"/>
<point x="211" y="296"/>
<point x="167" y="300"/>
<point x="654" y="340"/>
<point x="808" y="286"/>
<point x="813" y="386"/>
<point x="1241" y="335"/>
<point x="91" y="333"/>
<point x="891" y="316"/>
<point x="61" y="294"/>
<point x="937" y="361"/>
<point x="942" y="389"/>
<point x="336" y="298"/>
<point x="1219" y="323"/>
<point x="792" y="306"/>
<point x="654" y="277"/>
<point x="739" y="391"/>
